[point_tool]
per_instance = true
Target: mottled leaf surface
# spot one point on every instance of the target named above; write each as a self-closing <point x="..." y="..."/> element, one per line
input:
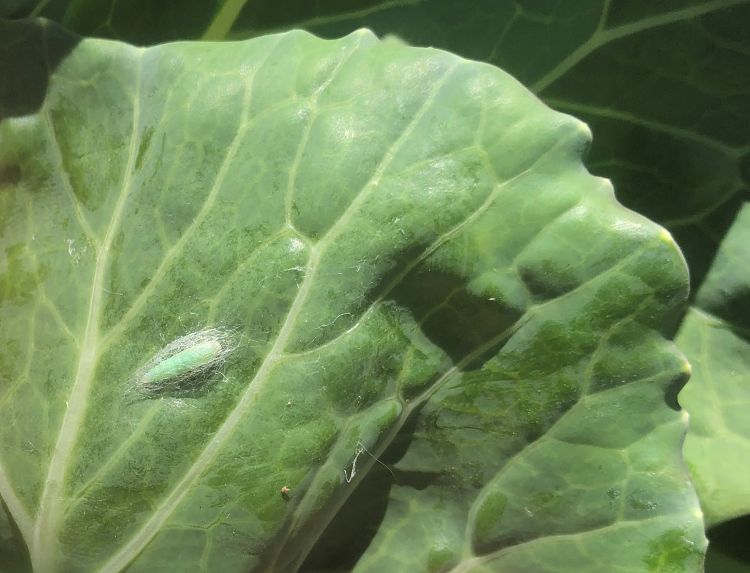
<point x="410" y="252"/>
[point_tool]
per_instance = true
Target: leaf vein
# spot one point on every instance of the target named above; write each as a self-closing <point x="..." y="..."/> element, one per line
<point x="43" y="544"/>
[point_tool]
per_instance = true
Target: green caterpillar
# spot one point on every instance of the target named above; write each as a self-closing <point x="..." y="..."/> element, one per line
<point x="185" y="364"/>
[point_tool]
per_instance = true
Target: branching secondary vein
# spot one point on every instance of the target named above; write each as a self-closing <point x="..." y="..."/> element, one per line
<point x="43" y="543"/>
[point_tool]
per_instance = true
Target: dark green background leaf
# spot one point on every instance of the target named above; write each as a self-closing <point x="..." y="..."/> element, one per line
<point x="728" y="551"/>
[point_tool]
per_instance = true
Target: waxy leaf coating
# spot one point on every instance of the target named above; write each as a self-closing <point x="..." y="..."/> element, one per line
<point x="409" y="251"/>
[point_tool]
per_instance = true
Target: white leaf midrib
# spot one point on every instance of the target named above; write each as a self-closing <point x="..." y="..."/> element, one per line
<point x="43" y="543"/>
